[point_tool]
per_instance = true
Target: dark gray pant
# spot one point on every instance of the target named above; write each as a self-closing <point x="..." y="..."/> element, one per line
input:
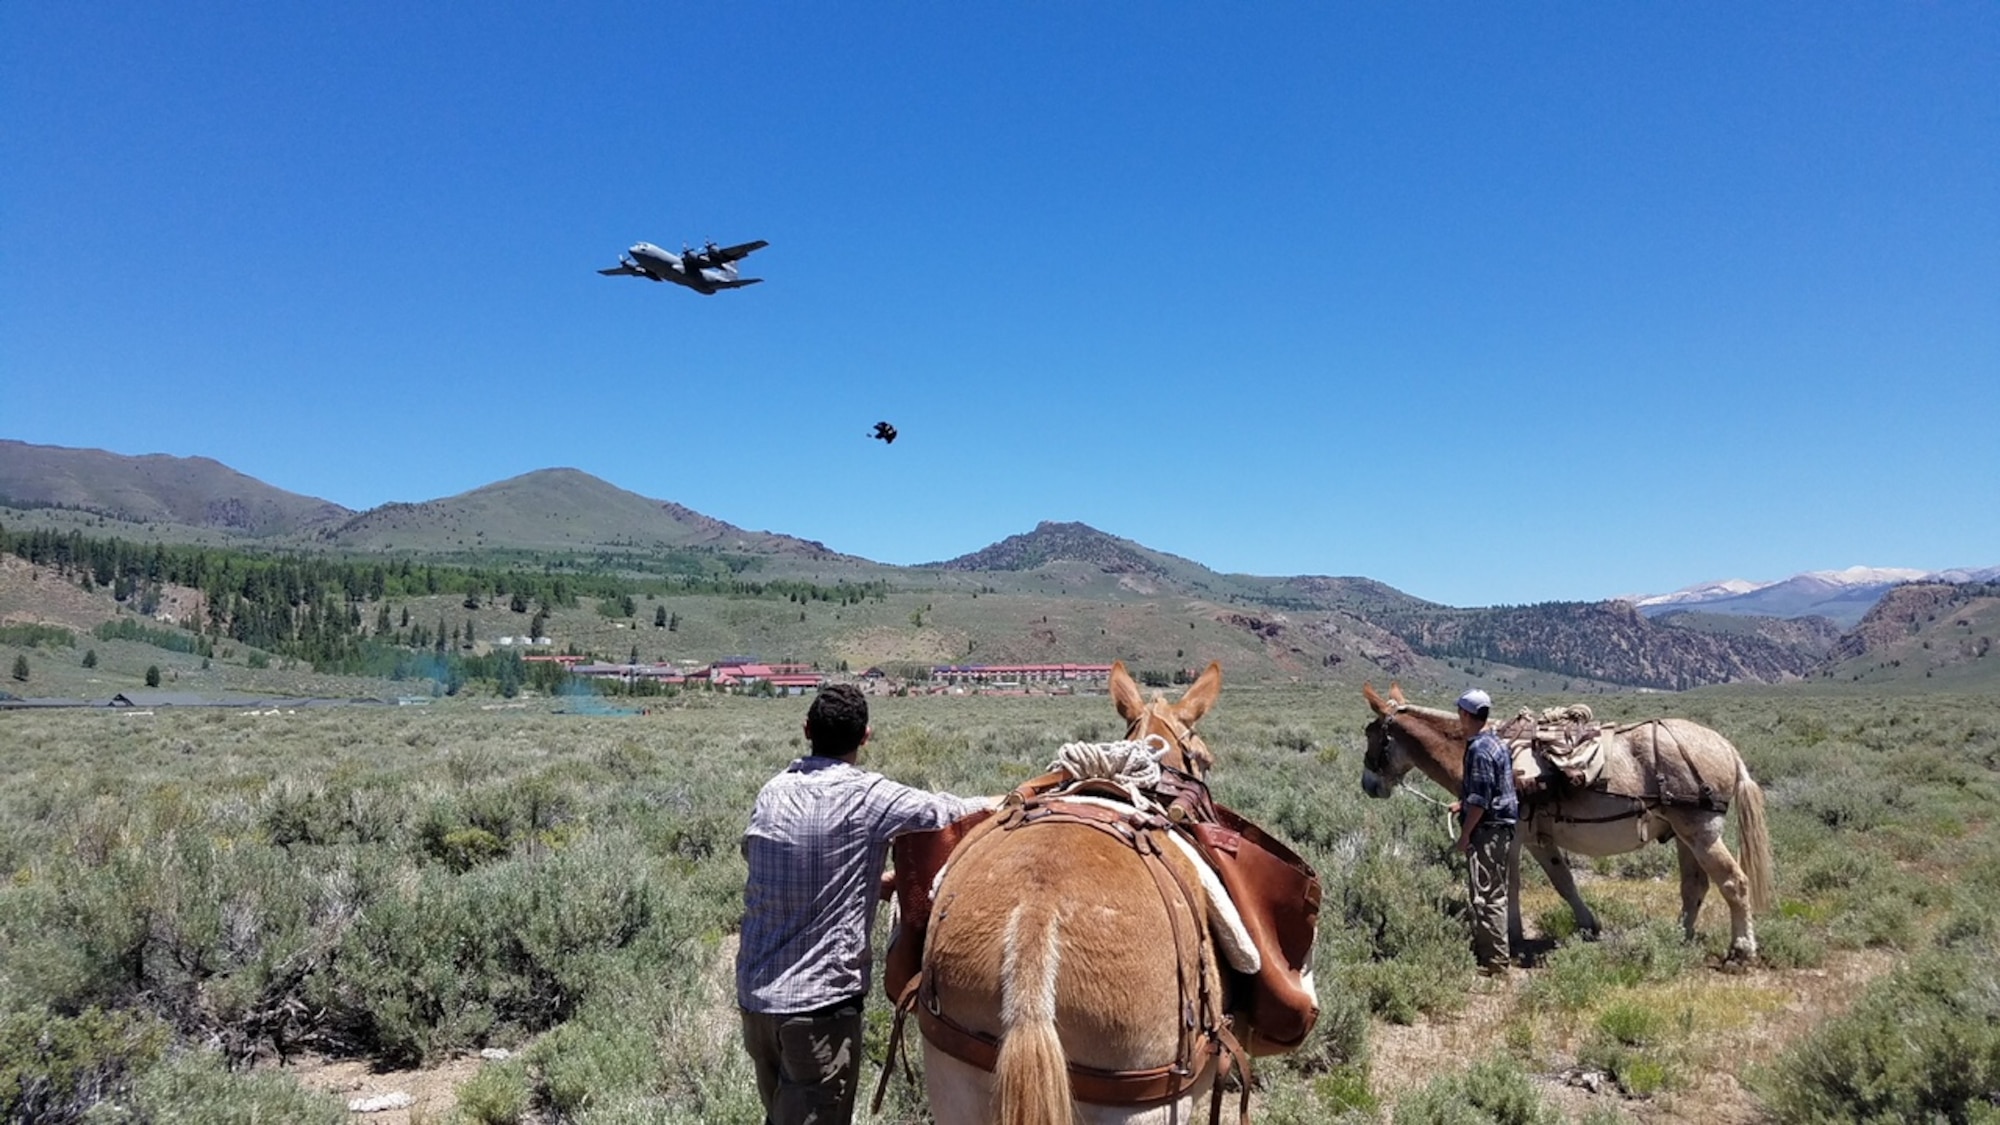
<point x="1486" y="892"/>
<point x="807" y="1063"/>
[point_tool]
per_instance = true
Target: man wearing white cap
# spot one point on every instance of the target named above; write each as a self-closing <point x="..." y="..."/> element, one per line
<point x="1487" y="810"/>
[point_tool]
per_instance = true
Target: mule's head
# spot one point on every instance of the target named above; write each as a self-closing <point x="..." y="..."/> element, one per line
<point x="1172" y="722"/>
<point x="1386" y="758"/>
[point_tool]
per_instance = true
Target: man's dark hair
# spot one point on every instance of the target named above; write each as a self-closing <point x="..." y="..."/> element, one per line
<point x="837" y="721"/>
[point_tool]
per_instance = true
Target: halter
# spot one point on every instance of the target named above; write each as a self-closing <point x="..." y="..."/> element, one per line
<point x="1186" y="753"/>
<point x="1389" y="728"/>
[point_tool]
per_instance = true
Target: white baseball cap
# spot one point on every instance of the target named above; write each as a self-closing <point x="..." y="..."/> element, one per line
<point x="1474" y="701"/>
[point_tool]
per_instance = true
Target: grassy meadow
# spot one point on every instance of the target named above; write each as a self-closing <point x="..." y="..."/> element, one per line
<point x="190" y="900"/>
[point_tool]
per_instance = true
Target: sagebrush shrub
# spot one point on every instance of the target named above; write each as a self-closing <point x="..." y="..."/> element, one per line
<point x="279" y="884"/>
<point x="495" y="1095"/>
<point x="53" y="1069"/>
<point x="197" y="1086"/>
<point x="1922" y="1044"/>
<point x="1495" y="1091"/>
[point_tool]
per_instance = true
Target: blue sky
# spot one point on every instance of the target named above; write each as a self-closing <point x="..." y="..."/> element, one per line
<point x="1285" y="289"/>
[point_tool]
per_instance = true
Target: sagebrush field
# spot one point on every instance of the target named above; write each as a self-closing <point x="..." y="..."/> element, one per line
<point x="189" y="901"/>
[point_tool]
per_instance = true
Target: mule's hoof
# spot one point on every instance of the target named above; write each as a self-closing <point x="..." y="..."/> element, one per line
<point x="1741" y="959"/>
<point x="1590" y="935"/>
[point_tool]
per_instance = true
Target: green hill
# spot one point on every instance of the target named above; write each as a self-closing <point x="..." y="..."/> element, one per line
<point x="554" y="510"/>
<point x="582" y="550"/>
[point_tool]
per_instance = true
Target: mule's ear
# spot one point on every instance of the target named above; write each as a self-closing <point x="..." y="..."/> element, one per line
<point x="1396" y="693"/>
<point x="1374" y="701"/>
<point x="1201" y="696"/>
<point x="1125" y="694"/>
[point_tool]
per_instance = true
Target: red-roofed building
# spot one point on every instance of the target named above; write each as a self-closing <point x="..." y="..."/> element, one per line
<point x="1022" y="674"/>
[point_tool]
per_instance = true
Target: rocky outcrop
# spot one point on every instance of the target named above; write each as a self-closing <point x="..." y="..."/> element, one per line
<point x="1903" y="612"/>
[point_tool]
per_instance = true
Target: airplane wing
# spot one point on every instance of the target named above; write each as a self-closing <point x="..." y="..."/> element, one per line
<point x="737" y="283"/>
<point x="624" y="269"/>
<point x="733" y="253"/>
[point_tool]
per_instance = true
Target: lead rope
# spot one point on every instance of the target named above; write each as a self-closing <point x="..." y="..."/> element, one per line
<point x="1430" y="800"/>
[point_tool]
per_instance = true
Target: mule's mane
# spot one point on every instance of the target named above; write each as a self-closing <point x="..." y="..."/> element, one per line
<point x="1434" y="714"/>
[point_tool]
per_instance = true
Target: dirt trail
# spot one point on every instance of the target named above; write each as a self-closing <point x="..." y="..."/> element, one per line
<point x="434" y="1089"/>
<point x="1404" y="1058"/>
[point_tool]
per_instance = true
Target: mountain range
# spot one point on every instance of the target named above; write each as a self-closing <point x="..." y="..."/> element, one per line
<point x="1842" y="596"/>
<point x="1300" y="627"/>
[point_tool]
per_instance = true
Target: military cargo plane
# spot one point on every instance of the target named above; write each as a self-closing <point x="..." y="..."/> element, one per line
<point x="706" y="270"/>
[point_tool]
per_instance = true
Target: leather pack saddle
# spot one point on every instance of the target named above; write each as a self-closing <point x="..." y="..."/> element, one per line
<point x="1276" y="893"/>
<point x="1563" y="748"/>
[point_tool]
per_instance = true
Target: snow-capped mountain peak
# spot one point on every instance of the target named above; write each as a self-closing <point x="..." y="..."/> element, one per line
<point x="1867" y="575"/>
<point x="1843" y="595"/>
<point x="1699" y="592"/>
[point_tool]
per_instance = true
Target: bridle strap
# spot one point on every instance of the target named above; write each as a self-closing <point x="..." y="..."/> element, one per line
<point x="1180" y="738"/>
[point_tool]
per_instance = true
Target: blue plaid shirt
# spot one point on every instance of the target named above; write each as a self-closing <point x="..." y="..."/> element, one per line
<point x="818" y="838"/>
<point x="1489" y="780"/>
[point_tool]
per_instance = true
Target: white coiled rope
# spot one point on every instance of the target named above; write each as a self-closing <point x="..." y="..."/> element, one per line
<point x="1132" y="765"/>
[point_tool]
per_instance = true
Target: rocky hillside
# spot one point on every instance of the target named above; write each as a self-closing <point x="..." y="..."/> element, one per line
<point x="1815" y="635"/>
<point x="192" y="492"/>
<point x="1610" y="641"/>
<point x="1915" y="615"/>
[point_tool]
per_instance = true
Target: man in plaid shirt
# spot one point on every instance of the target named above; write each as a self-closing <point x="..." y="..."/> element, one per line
<point x="817" y="842"/>
<point x="1488" y="810"/>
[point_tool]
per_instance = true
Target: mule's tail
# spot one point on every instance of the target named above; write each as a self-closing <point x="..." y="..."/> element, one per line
<point x="1758" y="866"/>
<point x="1031" y="1077"/>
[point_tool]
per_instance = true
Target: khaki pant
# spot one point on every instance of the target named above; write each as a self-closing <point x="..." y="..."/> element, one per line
<point x="807" y="1063"/>
<point x="1486" y="892"/>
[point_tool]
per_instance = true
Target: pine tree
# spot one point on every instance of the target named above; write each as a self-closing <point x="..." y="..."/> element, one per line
<point x="21" y="668"/>
<point x="152" y="675"/>
<point x="90" y="658"/>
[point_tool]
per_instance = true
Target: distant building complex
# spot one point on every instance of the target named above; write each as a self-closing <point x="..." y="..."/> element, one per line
<point x="727" y="674"/>
<point x="1021" y="675"/>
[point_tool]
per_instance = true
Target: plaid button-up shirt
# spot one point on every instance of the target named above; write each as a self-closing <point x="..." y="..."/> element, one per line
<point x="1489" y="780"/>
<point x="818" y="838"/>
